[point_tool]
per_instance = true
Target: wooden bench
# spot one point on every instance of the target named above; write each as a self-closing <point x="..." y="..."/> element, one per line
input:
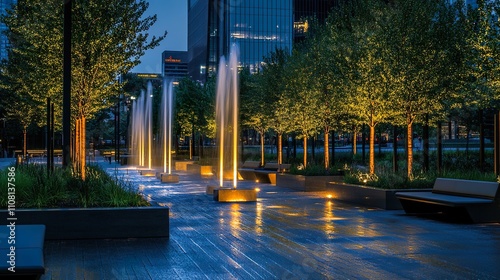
<point x="247" y="170"/>
<point x="267" y="174"/>
<point x="27" y="257"/>
<point x="476" y="201"/>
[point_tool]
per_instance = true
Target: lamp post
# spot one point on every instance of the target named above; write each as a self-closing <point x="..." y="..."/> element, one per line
<point x="2" y="140"/>
<point x="67" y="84"/>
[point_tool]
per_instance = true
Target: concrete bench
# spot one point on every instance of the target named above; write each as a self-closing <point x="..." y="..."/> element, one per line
<point x="267" y="174"/>
<point x="476" y="201"/>
<point x="27" y="255"/>
<point x="247" y="170"/>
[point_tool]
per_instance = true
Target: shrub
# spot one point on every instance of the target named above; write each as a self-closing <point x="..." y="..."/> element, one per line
<point x="35" y="189"/>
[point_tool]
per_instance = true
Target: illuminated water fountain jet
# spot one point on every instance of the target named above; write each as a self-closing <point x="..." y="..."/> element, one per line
<point x="227" y="110"/>
<point x="142" y="131"/>
<point x="166" y="112"/>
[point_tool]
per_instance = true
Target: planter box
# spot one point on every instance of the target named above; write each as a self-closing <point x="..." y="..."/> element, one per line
<point x="97" y="223"/>
<point x="368" y="196"/>
<point x="204" y="170"/>
<point x="182" y="165"/>
<point x="235" y="195"/>
<point x="305" y="183"/>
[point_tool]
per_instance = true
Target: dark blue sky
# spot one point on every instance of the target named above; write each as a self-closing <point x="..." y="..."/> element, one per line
<point x="172" y="16"/>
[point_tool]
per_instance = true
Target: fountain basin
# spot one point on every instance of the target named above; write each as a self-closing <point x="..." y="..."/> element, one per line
<point x="147" y="172"/>
<point x="169" y="178"/>
<point x="235" y="195"/>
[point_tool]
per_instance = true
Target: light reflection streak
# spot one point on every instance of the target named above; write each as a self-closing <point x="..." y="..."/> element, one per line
<point x="235" y="222"/>
<point x="258" y="218"/>
<point x="329" y="227"/>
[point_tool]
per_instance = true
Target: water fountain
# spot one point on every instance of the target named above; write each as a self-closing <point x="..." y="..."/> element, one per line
<point x="142" y="131"/>
<point x="227" y="110"/>
<point x="166" y="113"/>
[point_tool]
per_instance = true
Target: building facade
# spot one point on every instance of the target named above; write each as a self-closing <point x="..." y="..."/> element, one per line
<point x="4" y="42"/>
<point x="256" y="26"/>
<point x="175" y="64"/>
<point x="306" y="9"/>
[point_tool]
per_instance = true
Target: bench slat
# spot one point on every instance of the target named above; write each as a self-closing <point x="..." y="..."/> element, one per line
<point x="442" y="199"/>
<point x="468" y="188"/>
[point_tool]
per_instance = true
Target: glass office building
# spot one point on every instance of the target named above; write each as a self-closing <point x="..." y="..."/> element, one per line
<point x="256" y="26"/>
<point x="175" y="65"/>
<point x="305" y="9"/>
<point x="4" y="42"/>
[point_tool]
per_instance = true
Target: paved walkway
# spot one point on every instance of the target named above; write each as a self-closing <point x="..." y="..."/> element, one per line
<point x="285" y="235"/>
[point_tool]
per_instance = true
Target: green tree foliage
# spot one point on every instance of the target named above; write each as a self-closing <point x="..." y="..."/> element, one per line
<point x="195" y="108"/>
<point x="302" y="103"/>
<point x="108" y="38"/>
<point x="271" y="100"/>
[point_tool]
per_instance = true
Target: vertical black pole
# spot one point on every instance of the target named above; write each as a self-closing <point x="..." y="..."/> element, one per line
<point x="313" y="146"/>
<point x="118" y="128"/>
<point x="332" y="148"/>
<point x="116" y="132"/>
<point x="439" y="147"/>
<point x="67" y="85"/>
<point x="363" y="143"/>
<point x="395" y="149"/>
<point x="481" y="140"/>
<point x="48" y="137"/>
<point x="52" y="138"/>
<point x="426" y="143"/>
<point x="496" y="152"/>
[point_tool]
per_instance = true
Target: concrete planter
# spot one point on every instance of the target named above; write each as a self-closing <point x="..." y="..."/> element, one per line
<point x="367" y="196"/>
<point x="305" y="183"/>
<point x="181" y="165"/>
<point x="235" y="195"/>
<point x="204" y="170"/>
<point x="97" y="223"/>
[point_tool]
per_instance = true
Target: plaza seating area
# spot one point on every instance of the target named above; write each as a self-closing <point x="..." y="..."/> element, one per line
<point x="286" y="234"/>
<point x="474" y="201"/>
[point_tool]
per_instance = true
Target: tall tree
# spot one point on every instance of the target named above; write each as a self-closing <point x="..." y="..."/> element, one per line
<point x="108" y="38"/>
<point x="302" y="103"/>
<point x="272" y="83"/>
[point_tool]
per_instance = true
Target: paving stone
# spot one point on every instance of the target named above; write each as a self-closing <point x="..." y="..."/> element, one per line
<point x="284" y="235"/>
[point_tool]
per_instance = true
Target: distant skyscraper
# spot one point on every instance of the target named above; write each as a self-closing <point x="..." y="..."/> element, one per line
<point x="304" y="9"/>
<point x="257" y="26"/>
<point x="175" y="64"/>
<point x="4" y="43"/>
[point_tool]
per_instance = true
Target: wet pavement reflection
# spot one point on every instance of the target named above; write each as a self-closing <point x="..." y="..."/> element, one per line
<point x="284" y="235"/>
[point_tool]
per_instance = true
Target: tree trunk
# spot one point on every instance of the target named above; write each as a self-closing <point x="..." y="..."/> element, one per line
<point x="82" y="147"/>
<point x="280" y="148"/>
<point x="305" y="151"/>
<point x="372" y="149"/>
<point x="262" y="150"/>
<point x="326" y="148"/>
<point x="77" y="157"/>
<point x="409" y="146"/>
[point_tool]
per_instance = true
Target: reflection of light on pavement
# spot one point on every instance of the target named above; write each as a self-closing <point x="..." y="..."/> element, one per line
<point x="258" y="218"/>
<point x="235" y="222"/>
<point x="329" y="227"/>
